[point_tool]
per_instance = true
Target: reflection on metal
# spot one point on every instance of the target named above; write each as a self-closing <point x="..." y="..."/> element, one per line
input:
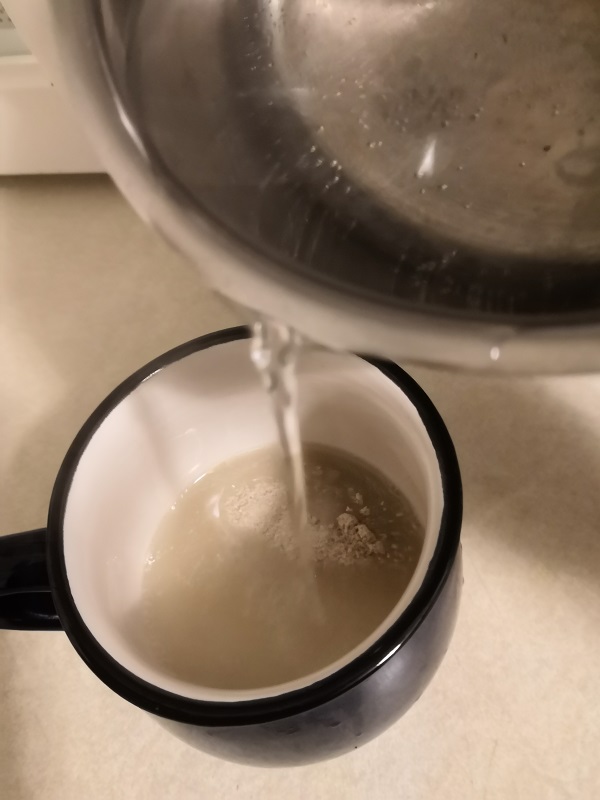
<point x="427" y="165"/>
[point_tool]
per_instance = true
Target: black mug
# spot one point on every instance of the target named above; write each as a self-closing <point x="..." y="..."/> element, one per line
<point x="171" y="421"/>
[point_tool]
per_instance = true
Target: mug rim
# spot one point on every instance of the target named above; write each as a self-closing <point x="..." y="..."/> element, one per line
<point x="255" y="711"/>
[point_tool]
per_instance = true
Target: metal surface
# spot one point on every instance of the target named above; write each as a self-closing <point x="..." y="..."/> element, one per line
<point x="417" y="179"/>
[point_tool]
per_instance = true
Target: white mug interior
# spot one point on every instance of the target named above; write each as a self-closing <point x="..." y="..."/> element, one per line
<point x="184" y="420"/>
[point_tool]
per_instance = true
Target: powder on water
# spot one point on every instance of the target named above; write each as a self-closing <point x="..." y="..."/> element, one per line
<point x="229" y="602"/>
<point x="339" y="532"/>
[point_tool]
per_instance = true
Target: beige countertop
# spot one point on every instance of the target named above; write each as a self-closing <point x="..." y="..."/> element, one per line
<point x="87" y="294"/>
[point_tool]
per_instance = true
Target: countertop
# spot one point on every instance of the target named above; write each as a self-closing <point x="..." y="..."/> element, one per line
<point x="88" y="294"/>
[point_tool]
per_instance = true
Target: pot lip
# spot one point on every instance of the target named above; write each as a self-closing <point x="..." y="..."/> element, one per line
<point x="219" y="713"/>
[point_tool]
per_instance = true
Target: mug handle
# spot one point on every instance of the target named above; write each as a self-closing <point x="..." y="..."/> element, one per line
<point x="25" y="599"/>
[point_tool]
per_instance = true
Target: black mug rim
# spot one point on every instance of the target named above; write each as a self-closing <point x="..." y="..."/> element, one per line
<point x="244" y="712"/>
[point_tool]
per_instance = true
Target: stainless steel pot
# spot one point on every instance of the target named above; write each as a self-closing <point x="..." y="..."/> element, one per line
<point x="415" y="178"/>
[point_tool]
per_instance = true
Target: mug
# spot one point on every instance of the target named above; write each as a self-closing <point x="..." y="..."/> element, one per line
<point x="159" y="431"/>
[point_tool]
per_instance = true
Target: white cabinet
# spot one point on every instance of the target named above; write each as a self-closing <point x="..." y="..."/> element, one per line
<point x="39" y="131"/>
